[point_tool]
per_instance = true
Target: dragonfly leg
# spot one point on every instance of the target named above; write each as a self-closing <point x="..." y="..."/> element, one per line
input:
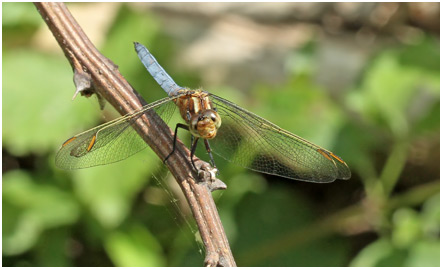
<point x="179" y="125"/>
<point x="192" y="152"/>
<point x="209" y="150"/>
<point x="191" y="139"/>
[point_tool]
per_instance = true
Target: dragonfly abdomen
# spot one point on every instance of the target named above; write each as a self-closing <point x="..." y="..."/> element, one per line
<point x="155" y="69"/>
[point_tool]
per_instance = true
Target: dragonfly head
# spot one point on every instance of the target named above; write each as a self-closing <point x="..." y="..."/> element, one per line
<point x="205" y="124"/>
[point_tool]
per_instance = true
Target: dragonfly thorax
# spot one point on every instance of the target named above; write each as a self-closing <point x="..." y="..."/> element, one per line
<point x="205" y="124"/>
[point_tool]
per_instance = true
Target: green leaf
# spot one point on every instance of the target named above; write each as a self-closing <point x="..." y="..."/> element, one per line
<point x="134" y="246"/>
<point x="424" y="254"/>
<point x="108" y="191"/>
<point x="302" y="108"/>
<point x="130" y="26"/>
<point x="430" y="216"/>
<point x="38" y="114"/>
<point x="424" y="54"/>
<point x="269" y="226"/>
<point x="20" y="21"/>
<point x="30" y="208"/>
<point x="373" y="253"/>
<point x="407" y="227"/>
<point x="395" y="95"/>
<point x="19" y="13"/>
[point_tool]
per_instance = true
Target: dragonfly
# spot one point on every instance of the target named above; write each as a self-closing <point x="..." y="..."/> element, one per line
<point x="235" y="134"/>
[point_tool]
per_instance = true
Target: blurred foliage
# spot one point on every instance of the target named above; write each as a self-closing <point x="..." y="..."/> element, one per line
<point x="386" y="126"/>
<point x="414" y="240"/>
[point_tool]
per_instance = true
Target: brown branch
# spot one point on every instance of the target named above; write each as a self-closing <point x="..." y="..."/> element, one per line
<point x="94" y="73"/>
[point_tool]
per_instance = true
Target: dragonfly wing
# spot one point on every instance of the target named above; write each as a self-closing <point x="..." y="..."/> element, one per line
<point x="110" y="142"/>
<point x="255" y="143"/>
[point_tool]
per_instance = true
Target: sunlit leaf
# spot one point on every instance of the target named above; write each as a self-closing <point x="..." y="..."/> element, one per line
<point x="38" y="114"/>
<point x="30" y="208"/>
<point x="134" y="247"/>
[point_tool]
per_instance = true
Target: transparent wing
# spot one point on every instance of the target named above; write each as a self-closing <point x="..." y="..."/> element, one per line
<point x="110" y="142"/>
<point x="255" y="143"/>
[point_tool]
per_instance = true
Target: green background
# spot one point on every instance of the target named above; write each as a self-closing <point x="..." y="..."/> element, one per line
<point x="372" y="101"/>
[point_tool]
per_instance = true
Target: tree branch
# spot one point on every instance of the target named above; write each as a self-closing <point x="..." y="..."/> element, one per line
<point x="94" y="73"/>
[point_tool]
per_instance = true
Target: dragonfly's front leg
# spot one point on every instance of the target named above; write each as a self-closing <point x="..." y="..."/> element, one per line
<point x="179" y="125"/>
<point x="193" y="149"/>
<point x="193" y="144"/>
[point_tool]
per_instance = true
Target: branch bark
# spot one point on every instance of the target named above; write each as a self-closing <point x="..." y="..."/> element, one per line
<point x="94" y="73"/>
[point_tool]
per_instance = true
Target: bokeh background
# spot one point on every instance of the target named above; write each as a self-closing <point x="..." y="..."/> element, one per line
<point x="360" y="79"/>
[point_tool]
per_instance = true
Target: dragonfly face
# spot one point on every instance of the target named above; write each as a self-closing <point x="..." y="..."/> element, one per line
<point x="197" y="110"/>
<point x="243" y="138"/>
<point x="205" y="124"/>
